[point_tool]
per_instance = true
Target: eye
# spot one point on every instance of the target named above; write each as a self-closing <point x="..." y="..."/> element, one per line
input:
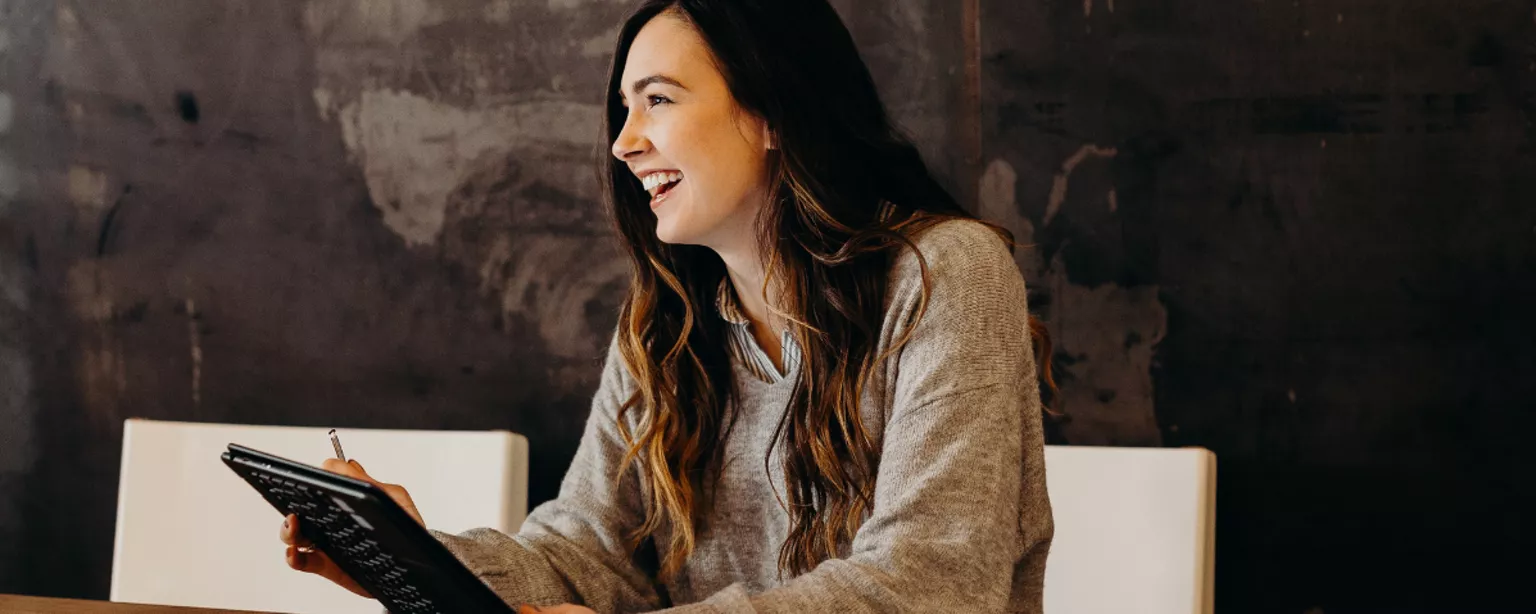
<point x="656" y="99"/>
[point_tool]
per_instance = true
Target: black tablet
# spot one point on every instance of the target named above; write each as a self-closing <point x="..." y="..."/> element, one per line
<point x="368" y="535"/>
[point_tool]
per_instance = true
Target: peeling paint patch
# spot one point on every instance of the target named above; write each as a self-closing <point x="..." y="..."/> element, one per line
<point x="413" y="151"/>
<point x="1105" y="336"/>
<point x="87" y="188"/>
<point x="1092" y="326"/>
<point x="67" y="26"/>
<point x="88" y="298"/>
<point x="599" y="46"/>
<point x="996" y="192"/>
<point x="527" y="286"/>
<point x="510" y="219"/>
<point x="1063" y="176"/>
<point x="997" y="196"/>
<point x="101" y="371"/>
<point x="322" y="98"/>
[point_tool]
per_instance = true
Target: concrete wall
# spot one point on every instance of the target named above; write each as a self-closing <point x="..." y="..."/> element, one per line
<point x="1298" y="233"/>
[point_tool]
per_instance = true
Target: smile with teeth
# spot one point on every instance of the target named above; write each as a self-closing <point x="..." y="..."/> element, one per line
<point x="659" y="184"/>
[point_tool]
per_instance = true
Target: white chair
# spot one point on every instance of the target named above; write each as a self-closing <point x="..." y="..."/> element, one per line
<point x="192" y="533"/>
<point x="1135" y="530"/>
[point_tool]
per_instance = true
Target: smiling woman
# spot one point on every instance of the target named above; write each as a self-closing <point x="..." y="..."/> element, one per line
<point x="683" y="130"/>
<point x="823" y="390"/>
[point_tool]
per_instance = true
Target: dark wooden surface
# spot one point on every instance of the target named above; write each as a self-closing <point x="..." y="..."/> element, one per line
<point x="21" y="604"/>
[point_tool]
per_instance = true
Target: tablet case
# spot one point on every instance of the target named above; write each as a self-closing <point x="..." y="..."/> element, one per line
<point x="367" y="535"/>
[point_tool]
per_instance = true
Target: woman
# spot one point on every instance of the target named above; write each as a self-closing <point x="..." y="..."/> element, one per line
<point x="821" y="396"/>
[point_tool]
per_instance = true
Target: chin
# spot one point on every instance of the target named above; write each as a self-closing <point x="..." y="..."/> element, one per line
<point x="675" y="226"/>
<point x="668" y="232"/>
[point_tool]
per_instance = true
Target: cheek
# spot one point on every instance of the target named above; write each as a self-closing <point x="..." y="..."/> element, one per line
<point x="683" y="147"/>
<point x="722" y="165"/>
<point x="732" y="169"/>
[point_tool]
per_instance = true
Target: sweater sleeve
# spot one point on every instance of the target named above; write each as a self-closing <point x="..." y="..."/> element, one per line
<point x="959" y="496"/>
<point x="574" y="549"/>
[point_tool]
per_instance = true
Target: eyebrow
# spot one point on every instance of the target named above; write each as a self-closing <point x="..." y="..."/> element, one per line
<point x="641" y="84"/>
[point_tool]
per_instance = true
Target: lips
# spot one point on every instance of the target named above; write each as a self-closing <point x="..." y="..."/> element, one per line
<point x="662" y="192"/>
<point x="659" y="184"/>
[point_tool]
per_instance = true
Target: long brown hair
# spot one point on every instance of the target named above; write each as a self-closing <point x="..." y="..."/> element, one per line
<point x="848" y="193"/>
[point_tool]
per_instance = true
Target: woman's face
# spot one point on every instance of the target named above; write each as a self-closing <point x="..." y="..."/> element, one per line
<point x="701" y="157"/>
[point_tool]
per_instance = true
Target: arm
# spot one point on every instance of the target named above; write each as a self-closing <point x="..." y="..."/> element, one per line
<point x="959" y="495"/>
<point x="574" y="548"/>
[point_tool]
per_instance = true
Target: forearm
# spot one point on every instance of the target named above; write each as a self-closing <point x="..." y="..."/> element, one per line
<point x="514" y="570"/>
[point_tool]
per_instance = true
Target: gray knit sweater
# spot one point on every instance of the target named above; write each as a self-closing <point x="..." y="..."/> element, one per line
<point x="961" y="521"/>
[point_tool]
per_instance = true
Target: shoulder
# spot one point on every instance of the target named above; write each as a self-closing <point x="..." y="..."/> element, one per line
<point x="966" y="324"/>
<point x="955" y="252"/>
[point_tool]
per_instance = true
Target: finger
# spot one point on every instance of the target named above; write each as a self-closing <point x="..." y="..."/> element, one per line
<point x="395" y="491"/>
<point x="354" y="469"/>
<point x="351" y="470"/>
<point x="308" y="562"/>
<point x="316" y="562"/>
<point x="289" y="533"/>
<point x="313" y="561"/>
<point x="528" y="609"/>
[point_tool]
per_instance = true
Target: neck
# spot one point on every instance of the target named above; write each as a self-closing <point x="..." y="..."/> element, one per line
<point x="745" y="268"/>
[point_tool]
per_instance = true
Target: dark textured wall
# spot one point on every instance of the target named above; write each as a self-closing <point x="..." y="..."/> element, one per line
<point x="1324" y="216"/>
<point x="1297" y="233"/>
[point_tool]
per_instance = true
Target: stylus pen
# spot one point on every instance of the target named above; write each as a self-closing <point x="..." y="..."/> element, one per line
<point x="336" y="443"/>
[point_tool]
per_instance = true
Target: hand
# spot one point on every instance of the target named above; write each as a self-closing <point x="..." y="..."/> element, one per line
<point x="301" y="554"/>
<point x="564" y="608"/>
<point x="354" y="469"/>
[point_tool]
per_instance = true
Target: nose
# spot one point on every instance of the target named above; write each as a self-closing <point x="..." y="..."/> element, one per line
<point x="630" y="143"/>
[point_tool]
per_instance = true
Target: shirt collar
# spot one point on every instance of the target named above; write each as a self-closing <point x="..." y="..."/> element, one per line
<point x="727" y="305"/>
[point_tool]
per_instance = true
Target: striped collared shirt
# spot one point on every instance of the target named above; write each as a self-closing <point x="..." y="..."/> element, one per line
<point x="744" y="347"/>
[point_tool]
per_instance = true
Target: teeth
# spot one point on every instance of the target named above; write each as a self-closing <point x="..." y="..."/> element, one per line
<point x="654" y="181"/>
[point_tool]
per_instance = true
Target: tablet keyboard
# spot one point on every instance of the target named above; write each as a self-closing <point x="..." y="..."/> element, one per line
<point x="346" y="535"/>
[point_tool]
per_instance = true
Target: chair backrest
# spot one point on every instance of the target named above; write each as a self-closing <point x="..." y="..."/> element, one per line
<point x="192" y="533"/>
<point x="1135" y="530"/>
